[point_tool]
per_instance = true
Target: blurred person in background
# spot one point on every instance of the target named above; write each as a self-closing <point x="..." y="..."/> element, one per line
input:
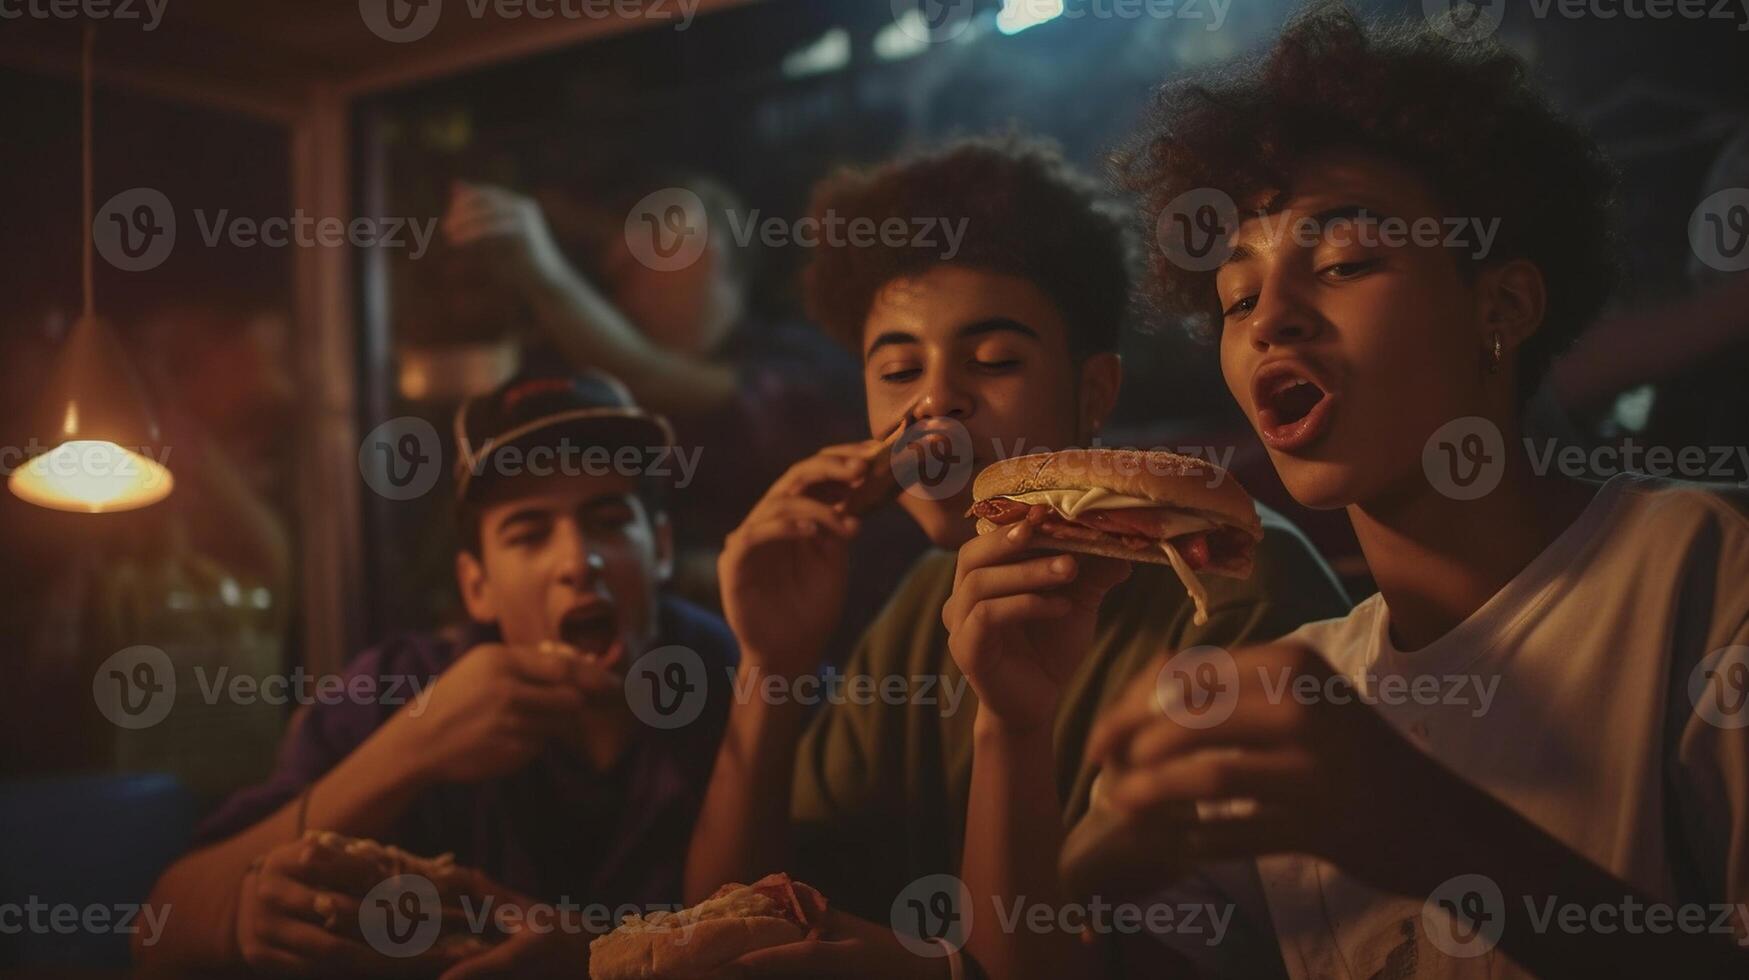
<point x="753" y="397"/>
<point x="222" y="382"/>
<point x="1692" y="376"/>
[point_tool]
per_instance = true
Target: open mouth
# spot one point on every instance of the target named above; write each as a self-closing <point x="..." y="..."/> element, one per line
<point x="593" y="630"/>
<point x="1293" y="409"/>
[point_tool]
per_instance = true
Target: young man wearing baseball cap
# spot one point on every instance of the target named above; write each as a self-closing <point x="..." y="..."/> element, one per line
<point x="511" y="743"/>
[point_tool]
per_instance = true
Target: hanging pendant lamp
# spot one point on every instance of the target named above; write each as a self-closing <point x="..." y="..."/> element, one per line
<point x="104" y="447"/>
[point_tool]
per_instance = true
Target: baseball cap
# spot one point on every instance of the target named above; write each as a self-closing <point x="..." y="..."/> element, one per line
<point x="584" y="412"/>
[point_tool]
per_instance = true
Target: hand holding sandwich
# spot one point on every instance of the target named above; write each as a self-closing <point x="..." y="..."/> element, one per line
<point x="300" y="909"/>
<point x="282" y="905"/>
<point x="1019" y="621"/>
<point x="1018" y="626"/>
<point x="848" y="948"/>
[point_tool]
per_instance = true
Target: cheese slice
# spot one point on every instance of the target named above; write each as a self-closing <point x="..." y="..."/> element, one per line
<point x="1075" y="502"/>
<point x="1072" y="503"/>
<point x="1192" y="584"/>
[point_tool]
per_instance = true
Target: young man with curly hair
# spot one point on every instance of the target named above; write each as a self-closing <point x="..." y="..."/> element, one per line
<point x="1592" y="818"/>
<point x="1011" y="341"/>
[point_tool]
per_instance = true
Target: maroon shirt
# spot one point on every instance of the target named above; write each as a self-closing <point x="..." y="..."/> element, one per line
<point x="557" y="829"/>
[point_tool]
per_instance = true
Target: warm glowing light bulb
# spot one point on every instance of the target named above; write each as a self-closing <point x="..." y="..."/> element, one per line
<point x="92" y="476"/>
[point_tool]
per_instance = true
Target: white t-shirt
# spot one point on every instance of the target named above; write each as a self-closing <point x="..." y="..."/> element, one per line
<point x="1568" y="696"/>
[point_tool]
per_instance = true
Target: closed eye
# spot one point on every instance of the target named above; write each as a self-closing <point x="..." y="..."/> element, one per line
<point x="996" y="367"/>
<point x="1349" y="270"/>
<point x="901" y="376"/>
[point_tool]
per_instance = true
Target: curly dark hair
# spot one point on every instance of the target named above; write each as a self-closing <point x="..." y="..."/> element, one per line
<point x="1464" y="117"/>
<point x="1027" y="214"/>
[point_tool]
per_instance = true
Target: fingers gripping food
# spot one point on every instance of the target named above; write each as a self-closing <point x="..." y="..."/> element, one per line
<point x="365" y="863"/>
<point x="697" y="942"/>
<point x="1155" y="507"/>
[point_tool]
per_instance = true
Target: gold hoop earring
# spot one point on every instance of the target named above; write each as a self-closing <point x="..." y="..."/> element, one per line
<point x="1497" y="356"/>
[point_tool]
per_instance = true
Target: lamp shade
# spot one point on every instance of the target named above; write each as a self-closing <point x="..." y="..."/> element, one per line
<point x="104" y="451"/>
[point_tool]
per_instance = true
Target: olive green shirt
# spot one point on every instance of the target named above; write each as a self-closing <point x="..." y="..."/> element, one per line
<point x="881" y="783"/>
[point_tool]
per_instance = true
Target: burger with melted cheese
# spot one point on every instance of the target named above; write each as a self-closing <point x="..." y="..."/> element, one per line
<point x="1154" y="507"/>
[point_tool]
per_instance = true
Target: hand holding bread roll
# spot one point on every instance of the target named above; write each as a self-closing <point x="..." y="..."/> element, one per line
<point x="1155" y="507"/>
<point x="696" y="943"/>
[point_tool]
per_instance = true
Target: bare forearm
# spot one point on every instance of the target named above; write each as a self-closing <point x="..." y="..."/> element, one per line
<point x="743" y="828"/>
<point x="1613" y="355"/>
<point x="363" y="796"/>
<point x="1010" y="864"/>
<point x="593" y="333"/>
